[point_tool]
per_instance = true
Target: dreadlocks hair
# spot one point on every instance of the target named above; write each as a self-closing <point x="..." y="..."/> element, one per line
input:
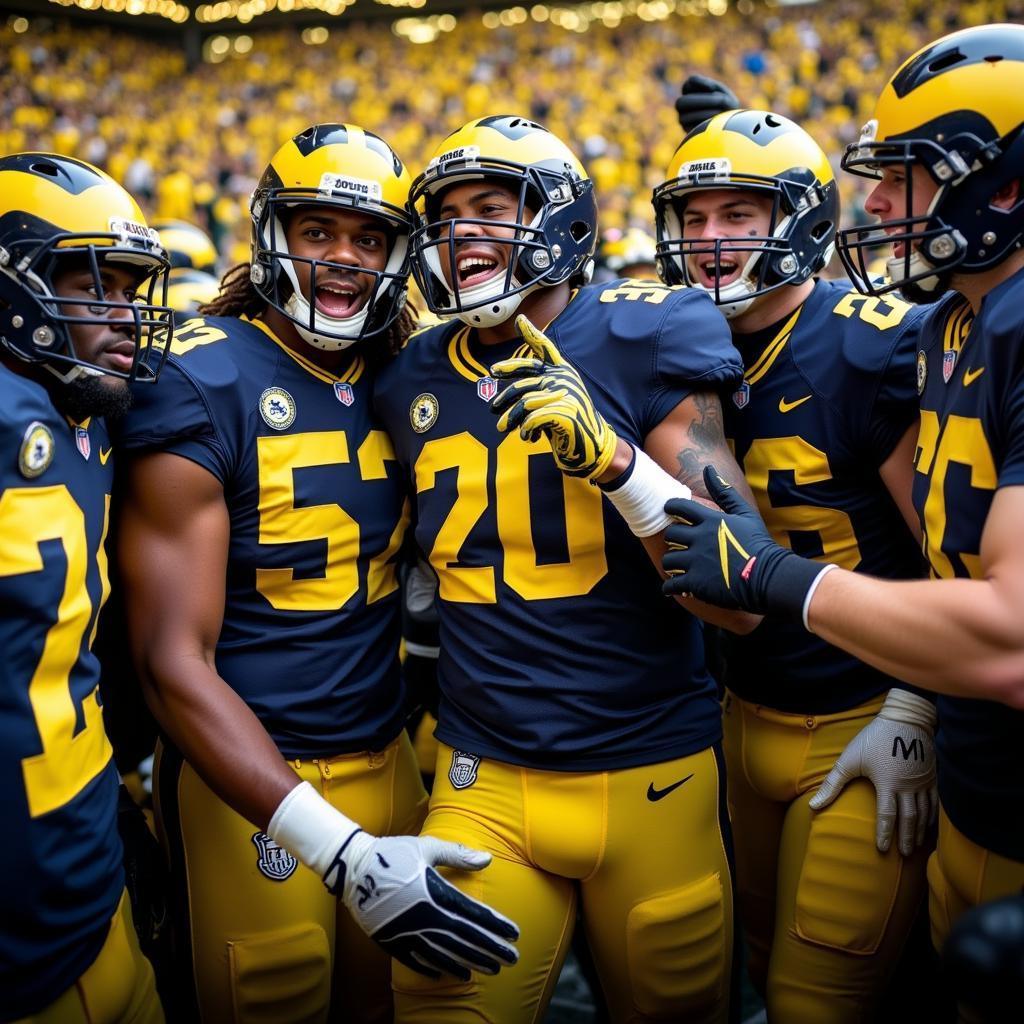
<point x="238" y="297"/>
<point x="398" y="333"/>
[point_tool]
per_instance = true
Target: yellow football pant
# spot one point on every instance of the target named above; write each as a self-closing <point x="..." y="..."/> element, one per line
<point x="263" y="930"/>
<point x="961" y="875"/>
<point x="653" y="875"/>
<point x="117" y="988"/>
<point x="824" y="913"/>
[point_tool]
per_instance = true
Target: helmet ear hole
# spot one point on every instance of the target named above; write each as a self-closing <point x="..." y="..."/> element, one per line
<point x="579" y="229"/>
<point x="821" y="229"/>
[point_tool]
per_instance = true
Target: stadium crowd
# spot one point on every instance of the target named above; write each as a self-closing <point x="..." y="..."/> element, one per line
<point x="190" y="143"/>
<point x="717" y="578"/>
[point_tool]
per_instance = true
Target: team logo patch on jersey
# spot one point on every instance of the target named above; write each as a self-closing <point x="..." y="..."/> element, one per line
<point x="922" y="371"/>
<point x="277" y="408"/>
<point x="462" y="773"/>
<point x="741" y="396"/>
<point x="486" y="388"/>
<point x="423" y="412"/>
<point x="274" y="861"/>
<point x="82" y="442"/>
<point x="948" y="365"/>
<point x="36" y="450"/>
<point x="343" y="392"/>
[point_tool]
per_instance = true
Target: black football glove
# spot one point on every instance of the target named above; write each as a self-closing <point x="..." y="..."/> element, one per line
<point x="729" y="559"/>
<point x="702" y="98"/>
<point x="146" y="875"/>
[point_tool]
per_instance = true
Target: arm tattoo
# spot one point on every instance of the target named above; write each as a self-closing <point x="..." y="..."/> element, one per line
<point x="706" y="445"/>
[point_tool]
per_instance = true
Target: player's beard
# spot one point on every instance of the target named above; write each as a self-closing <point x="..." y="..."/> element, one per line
<point x="94" y="396"/>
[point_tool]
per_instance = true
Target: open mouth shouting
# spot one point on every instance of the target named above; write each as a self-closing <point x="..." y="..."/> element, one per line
<point x="720" y="271"/>
<point x="338" y="299"/>
<point x="475" y="267"/>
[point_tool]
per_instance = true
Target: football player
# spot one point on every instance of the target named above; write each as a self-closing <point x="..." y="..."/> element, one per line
<point x="579" y="729"/>
<point x="263" y="515"/>
<point x="82" y="280"/>
<point x="946" y="144"/>
<point x="192" y="281"/>
<point x="823" y="425"/>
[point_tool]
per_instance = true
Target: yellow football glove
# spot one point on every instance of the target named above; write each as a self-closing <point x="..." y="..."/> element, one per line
<point x="548" y="396"/>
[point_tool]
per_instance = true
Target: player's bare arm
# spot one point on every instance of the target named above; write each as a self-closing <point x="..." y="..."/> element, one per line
<point x="173" y="550"/>
<point x="963" y="637"/>
<point x="688" y="439"/>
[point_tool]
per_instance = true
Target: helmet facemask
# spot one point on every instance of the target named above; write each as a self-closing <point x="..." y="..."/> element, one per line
<point x="549" y="248"/>
<point x="274" y="275"/>
<point x="35" y="319"/>
<point x="767" y="262"/>
<point x="920" y="277"/>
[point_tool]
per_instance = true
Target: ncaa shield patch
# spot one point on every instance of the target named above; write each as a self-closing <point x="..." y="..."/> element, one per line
<point x="948" y="364"/>
<point x="274" y="861"/>
<point x="82" y="442"/>
<point x="462" y="773"/>
<point x="343" y="392"/>
<point x="486" y="388"/>
<point x="741" y="396"/>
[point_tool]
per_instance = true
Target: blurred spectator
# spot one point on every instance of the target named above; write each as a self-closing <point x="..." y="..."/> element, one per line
<point x="190" y="143"/>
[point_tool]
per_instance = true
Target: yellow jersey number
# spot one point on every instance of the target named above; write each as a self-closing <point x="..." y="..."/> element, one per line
<point x="282" y="522"/>
<point x="878" y="313"/>
<point x="71" y="757"/>
<point x="809" y="465"/>
<point x="961" y="441"/>
<point x="587" y="562"/>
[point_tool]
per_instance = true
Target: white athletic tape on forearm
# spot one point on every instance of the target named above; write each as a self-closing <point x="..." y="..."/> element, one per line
<point x="306" y="825"/>
<point x="641" y="499"/>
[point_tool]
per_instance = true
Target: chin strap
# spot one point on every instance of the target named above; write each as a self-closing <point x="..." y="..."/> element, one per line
<point x="298" y="309"/>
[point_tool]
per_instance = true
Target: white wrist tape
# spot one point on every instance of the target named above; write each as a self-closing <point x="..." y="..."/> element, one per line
<point x="904" y="706"/>
<point x="308" y="827"/>
<point x="640" y="500"/>
<point x="825" y="570"/>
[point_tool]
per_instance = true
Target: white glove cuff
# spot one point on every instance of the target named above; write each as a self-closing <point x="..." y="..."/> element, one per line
<point x="308" y="827"/>
<point x="640" y="500"/>
<point x="904" y="706"/>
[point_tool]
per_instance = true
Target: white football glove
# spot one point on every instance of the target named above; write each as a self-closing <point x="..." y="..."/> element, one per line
<point x="392" y="890"/>
<point x="896" y="751"/>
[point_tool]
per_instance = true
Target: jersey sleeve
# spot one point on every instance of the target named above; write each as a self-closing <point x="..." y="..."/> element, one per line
<point x="694" y="352"/>
<point x="1011" y="471"/>
<point x="173" y="415"/>
<point x="895" y="407"/>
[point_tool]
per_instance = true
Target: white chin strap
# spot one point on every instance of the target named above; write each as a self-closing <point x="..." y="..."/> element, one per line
<point x="76" y="372"/>
<point x="330" y="341"/>
<point x="482" y="306"/>
<point x="334" y="334"/>
<point x="917" y="264"/>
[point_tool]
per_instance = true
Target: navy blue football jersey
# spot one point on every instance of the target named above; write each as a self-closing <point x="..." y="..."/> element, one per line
<point x="826" y="397"/>
<point x="62" y="876"/>
<point x="317" y="513"/>
<point x="557" y="649"/>
<point x="971" y="375"/>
